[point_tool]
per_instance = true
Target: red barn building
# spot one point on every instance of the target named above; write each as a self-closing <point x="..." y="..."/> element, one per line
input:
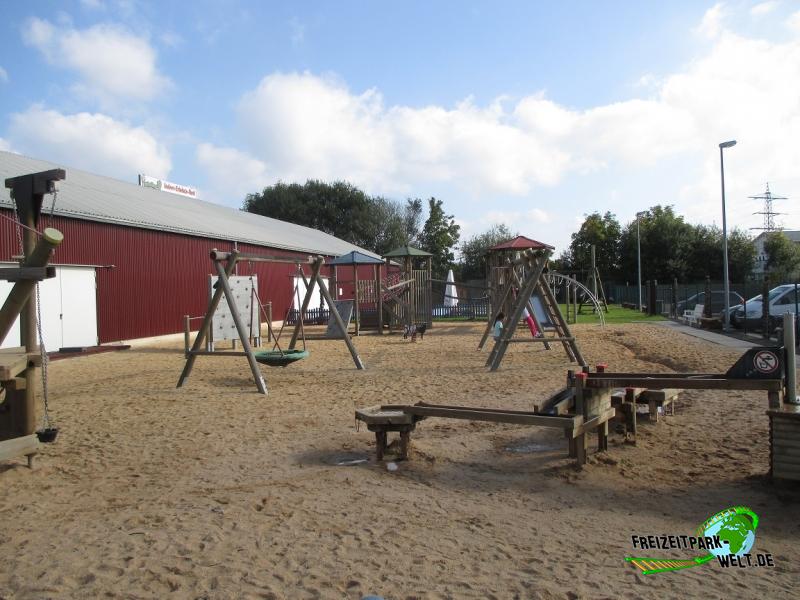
<point x="135" y="259"/>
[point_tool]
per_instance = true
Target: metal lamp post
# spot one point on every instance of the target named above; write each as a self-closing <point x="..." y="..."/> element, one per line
<point x="726" y="315"/>
<point x="639" y="256"/>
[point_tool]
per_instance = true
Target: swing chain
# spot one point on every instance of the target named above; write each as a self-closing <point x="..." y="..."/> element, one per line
<point x="45" y="360"/>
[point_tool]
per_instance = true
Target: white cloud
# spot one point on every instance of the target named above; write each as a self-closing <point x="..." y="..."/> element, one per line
<point x="93" y="142"/>
<point x="4" y="145"/>
<point x="111" y="62"/>
<point x="763" y="8"/>
<point x="711" y="25"/>
<point x="794" y="22"/>
<point x="299" y="125"/>
<point x="232" y="173"/>
<point x="3" y="75"/>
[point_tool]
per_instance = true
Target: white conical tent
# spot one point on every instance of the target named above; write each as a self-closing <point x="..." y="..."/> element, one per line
<point x="450" y="293"/>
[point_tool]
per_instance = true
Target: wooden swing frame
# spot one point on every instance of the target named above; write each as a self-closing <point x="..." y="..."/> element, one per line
<point x="225" y="264"/>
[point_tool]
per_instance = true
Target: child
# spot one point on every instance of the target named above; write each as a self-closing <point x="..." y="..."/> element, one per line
<point x="498" y="327"/>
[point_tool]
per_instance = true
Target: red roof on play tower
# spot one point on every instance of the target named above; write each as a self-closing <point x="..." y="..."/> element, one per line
<point x="521" y="243"/>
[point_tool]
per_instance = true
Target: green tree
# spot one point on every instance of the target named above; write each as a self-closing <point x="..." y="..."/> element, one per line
<point x="665" y="240"/>
<point x="604" y="233"/>
<point x="412" y="221"/>
<point x="473" y="250"/>
<point x="741" y="255"/>
<point x="342" y="210"/>
<point x="783" y="257"/>
<point x="439" y="236"/>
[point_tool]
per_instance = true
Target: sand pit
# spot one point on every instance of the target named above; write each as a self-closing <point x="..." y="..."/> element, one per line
<point x="214" y="491"/>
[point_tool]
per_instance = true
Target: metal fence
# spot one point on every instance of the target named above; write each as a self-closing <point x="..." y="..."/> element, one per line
<point x="467" y="311"/>
<point x="674" y="303"/>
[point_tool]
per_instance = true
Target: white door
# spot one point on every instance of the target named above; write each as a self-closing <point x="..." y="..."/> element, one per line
<point x="68" y="309"/>
<point x="300" y="293"/>
<point x="78" y="306"/>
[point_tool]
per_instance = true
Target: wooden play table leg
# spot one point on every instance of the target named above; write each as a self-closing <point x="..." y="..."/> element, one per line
<point x="380" y="443"/>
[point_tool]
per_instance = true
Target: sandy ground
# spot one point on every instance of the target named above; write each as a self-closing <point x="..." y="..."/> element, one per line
<point x="214" y="491"/>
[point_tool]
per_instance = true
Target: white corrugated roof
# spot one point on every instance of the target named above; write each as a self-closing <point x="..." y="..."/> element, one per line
<point x="92" y="197"/>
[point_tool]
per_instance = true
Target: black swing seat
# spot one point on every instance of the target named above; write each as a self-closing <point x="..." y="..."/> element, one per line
<point x="278" y="358"/>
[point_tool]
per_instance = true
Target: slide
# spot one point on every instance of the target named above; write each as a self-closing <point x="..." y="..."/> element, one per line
<point x="531" y="323"/>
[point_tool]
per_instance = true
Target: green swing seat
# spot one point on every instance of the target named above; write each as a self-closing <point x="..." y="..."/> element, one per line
<point x="278" y="358"/>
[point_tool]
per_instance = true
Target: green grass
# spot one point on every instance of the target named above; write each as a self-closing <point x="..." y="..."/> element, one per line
<point x="616" y="314"/>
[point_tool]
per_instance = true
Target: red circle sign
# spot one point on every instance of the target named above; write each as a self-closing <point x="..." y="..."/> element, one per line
<point x="765" y="361"/>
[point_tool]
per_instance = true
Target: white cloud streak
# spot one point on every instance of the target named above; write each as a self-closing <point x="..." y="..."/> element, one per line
<point x="112" y="62"/>
<point x="93" y="142"/>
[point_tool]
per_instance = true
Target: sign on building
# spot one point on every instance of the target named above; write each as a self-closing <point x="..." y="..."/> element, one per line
<point x="167" y="186"/>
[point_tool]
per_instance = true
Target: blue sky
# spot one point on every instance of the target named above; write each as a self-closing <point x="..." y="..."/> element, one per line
<point x="531" y="114"/>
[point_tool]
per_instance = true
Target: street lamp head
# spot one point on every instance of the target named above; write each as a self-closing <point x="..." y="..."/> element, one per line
<point x="727" y="144"/>
<point x="641" y="215"/>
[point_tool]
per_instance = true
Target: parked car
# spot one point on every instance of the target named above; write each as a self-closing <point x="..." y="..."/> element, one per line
<point x="717" y="302"/>
<point x="781" y="300"/>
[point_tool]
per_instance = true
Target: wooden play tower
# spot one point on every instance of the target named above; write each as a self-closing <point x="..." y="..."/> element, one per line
<point x="410" y="303"/>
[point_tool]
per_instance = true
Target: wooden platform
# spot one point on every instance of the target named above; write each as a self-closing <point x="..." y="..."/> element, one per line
<point x="21" y="446"/>
<point x="784" y="437"/>
<point x="13" y="361"/>
<point x="654" y="399"/>
<point x="404" y="418"/>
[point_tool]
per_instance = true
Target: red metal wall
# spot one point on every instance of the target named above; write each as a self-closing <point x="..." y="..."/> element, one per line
<point x="157" y="277"/>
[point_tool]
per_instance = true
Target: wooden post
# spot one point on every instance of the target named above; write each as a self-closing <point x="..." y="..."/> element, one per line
<point x="240" y="329"/>
<point x="186" y="334"/>
<point x="378" y="296"/>
<point x="630" y="402"/>
<point x="429" y="295"/>
<point x="357" y="307"/>
<point x="212" y="308"/>
<point x="790" y="396"/>
<point x="326" y="294"/>
<point x="412" y="291"/>
<point x="380" y="443"/>
<point x="674" y="298"/>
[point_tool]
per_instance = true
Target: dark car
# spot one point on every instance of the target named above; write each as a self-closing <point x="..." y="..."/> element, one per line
<point x="717" y="302"/>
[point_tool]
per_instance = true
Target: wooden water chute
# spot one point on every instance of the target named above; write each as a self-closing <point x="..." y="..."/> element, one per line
<point x="18" y="436"/>
<point x="225" y="264"/>
<point x="759" y="368"/>
<point x="367" y="297"/>
<point x="534" y="263"/>
<point x="411" y="298"/>
<point x="576" y="410"/>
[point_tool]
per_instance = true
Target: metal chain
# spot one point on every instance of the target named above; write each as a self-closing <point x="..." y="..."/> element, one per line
<point x="45" y="359"/>
<point x="53" y="205"/>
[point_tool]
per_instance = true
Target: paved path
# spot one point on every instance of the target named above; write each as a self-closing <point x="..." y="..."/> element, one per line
<point x="710" y="336"/>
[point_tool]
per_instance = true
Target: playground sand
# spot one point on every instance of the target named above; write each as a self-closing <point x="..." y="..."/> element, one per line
<point x="214" y="491"/>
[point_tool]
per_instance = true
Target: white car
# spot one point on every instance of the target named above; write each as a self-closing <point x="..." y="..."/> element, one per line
<point x="781" y="300"/>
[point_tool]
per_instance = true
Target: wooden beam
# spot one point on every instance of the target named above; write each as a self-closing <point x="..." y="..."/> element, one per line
<point x="686" y="384"/>
<point x="34" y="273"/>
<point x="219" y="255"/>
<point x="496" y="416"/>
<point x="540" y="340"/>
<point x="21" y="446"/>
<point x="12" y="365"/>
